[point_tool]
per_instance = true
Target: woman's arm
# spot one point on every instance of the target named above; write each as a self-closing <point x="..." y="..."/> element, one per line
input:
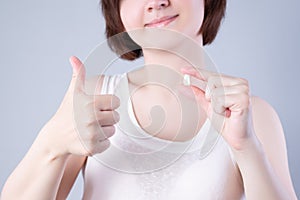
<point x="75" y="163"/>
<point x="45" y="168"/>
<point x="73" y="167"/>
<point x="251" y="128"/>
<point x="43" y="176"/>
<point x="37" y="176"/>
<point x="264" y="165"/>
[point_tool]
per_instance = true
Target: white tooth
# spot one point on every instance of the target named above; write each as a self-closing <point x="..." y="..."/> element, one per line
<point x="186" y="80"/>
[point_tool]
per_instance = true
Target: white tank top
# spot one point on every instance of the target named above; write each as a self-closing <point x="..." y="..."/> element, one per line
<point x="139" y="167"/>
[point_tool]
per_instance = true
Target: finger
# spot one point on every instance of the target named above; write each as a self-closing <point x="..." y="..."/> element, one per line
<point x="229" y="104"/>
<point x="228" y="90"/>
<point x="222" y="110"/>
<point x="107" y="118"/>
<point x="78" y="77"/>
<point x="228" y="84"/>
<point x="223" y="80"/>
<point x="108" y="131"/>
<point x="190" y="80"/>
<point x="198" y="78"/>
<point x="219" y="105"/>
<point x="213" y="78"/>
<point x="197" y="84"/>
<point x="198" y="73"/>
<point x="106" y="102"/>
<point x="238" y="103"/>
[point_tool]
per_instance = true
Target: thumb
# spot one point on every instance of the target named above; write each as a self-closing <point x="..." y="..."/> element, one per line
<point x="78" y="77"/>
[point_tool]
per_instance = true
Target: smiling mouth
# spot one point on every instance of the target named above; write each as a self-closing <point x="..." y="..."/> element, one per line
<point x="162" y="22"/>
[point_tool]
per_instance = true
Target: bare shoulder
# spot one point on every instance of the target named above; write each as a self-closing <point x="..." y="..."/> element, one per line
<point x="269" y="131"/>
<point x="268" y="128"/>
<point x="266" y="121"/>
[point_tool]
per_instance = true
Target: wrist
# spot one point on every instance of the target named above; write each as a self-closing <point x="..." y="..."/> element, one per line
<point x="49" y="145"/>
<point x="251" y="149"/>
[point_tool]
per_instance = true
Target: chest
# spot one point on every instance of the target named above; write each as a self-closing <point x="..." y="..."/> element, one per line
<point x="213" y="177"/>
<point x="166" y="113"/>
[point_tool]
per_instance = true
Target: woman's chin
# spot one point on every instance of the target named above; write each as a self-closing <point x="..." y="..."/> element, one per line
<point x="157" y="38"/>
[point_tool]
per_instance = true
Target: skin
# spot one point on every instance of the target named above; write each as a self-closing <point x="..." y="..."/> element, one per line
<point x="57" y="155"/>
<point x="246" y="123"/>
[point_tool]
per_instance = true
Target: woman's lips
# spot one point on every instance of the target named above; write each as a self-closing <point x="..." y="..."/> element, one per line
<point x="161" y="22"/>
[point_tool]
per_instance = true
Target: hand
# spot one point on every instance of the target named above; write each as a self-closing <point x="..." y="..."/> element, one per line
<point x="226" y="101"/>
<point x="83" y="123"/>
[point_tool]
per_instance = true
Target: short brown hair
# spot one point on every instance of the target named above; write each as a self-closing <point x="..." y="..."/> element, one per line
<point x="214" y="12"/>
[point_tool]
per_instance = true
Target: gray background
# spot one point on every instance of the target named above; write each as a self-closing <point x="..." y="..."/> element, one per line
<point x="259" y="40"/>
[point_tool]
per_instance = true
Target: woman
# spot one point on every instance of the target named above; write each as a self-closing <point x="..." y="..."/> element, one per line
<point x="245" y="160"/>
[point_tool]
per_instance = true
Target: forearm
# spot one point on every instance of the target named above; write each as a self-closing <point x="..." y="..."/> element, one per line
<point x="260" y="180"/>
<point x="37" y="176"/>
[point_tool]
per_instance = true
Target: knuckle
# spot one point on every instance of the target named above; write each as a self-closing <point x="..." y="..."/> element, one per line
<point x="243" y="81"/>
<point x="74" y="76"/>
<point x="245" y="88"/>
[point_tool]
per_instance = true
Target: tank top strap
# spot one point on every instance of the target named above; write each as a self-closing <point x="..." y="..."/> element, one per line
<point x="110" y="83"/>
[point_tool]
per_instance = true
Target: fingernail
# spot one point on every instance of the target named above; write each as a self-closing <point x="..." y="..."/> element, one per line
<point x="186" y="80"/>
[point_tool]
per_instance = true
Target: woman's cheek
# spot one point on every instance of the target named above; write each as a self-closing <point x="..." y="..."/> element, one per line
<point x="131" y="20"/>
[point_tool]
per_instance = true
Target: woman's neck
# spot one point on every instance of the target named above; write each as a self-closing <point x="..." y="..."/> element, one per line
<point x="186" y="54"/>
<point x="163" y="64"/>
<point x="164" y="58"/>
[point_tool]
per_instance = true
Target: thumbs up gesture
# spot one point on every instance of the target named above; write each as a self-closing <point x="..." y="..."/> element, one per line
<point x="83" y="123"/>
